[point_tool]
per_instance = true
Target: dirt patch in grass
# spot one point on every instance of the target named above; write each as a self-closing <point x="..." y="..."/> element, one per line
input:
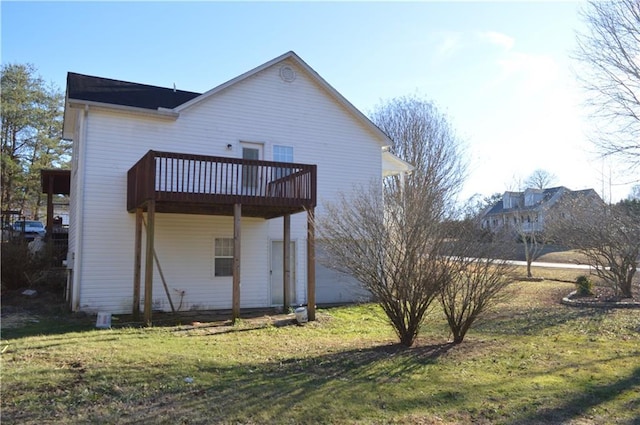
<point x="15" y="319"/>
<point x="19" y="310"/>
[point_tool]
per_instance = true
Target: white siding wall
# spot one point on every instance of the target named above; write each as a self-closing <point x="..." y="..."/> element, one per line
<point x="75" y="211"/>
<point x="74" y="198"/>
<point x="262" y="109"/>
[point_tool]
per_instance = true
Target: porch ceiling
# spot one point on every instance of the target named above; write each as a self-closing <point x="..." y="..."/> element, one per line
<point x="248" y="210"/>
<point x="59" y="181"/>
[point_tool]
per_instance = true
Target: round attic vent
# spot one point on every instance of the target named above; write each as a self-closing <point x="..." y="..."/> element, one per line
<point x="287" y="74"/>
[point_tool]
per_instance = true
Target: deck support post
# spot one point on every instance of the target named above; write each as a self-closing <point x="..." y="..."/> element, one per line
<point x="311" y="265"/>
<point x="137" y="264"/>
<point x="148" y="265"/>
<point x="49" y="227"/>
<point x="286" y="263"/>
<point x="237" y="215"/>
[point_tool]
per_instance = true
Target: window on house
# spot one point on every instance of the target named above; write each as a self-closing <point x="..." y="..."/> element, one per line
<point x="223" y="257"/>
<point x="282" y="154"/>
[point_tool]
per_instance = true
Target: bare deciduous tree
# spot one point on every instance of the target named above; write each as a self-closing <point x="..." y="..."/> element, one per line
<point x="608" y="236"/>
<point x="540" y="179"/>
<point x="391" y="237"/>
<point x="523" y="230"/>
<point x="392" y="247"/>
<point x="423" y="137"/>
<point x="522" y="224"/>
<point x="476" y="205"/>
<point x="610" y="50"/>
<point x="478" y="277"/>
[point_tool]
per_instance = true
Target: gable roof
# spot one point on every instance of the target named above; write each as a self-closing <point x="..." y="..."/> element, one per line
<point x="104" y="92"/>
<point x="550" y="197"/>
<point x="547" y="195"/>
<point x="116" y="92"/>
<point x="291" y="55"/>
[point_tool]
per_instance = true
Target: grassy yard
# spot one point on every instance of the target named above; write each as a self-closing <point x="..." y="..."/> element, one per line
<point x="531" y="361"/>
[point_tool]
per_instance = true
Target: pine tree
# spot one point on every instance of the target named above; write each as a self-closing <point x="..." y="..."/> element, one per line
<point x="31" y="136"/>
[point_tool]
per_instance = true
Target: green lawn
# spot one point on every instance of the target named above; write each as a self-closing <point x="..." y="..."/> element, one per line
<point x="531" y="361"/>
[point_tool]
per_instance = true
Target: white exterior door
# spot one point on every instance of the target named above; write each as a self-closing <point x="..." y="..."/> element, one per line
<point x="277" y="276"/>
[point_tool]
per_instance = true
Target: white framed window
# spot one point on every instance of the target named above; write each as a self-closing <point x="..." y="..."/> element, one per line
<point x="223" y="257"/>
<point x="282" y="154"/>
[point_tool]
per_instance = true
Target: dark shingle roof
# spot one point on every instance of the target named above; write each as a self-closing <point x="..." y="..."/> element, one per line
<point x="496" y="208"/>
<point x="547" y="194"/>
<point x="105" y="90"/>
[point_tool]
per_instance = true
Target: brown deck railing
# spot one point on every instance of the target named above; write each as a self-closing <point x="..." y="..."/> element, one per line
<point x="198" y="179"/>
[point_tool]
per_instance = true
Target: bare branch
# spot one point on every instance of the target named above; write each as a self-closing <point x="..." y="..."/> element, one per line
<point x="477" y="279"/>
<point x="390" y="237"/>
<point x="609" y="237"/>
<point x="540" y="179"/>
<point x="611" y="50"/>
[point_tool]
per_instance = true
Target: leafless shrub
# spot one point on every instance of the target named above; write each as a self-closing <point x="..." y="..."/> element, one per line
<point x="23" y="268"/>
<point x="391" y="236"/>
<point x="608" y="236"/>
<point x="392" y="247"/>
<point x="477" y="278"/>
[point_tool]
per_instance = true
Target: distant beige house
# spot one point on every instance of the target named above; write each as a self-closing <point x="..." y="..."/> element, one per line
<point x="531" y="211"/>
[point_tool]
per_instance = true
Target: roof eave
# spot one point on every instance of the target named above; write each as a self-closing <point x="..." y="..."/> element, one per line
<point x="394" y="165"/>
<point x="160" y="112"/>
<point x="69" y="121"/>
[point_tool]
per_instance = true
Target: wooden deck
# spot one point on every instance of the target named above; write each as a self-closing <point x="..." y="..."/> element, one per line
<point x="199" y="184"/>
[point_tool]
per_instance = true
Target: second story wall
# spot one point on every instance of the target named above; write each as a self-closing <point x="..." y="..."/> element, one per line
<point x="294" y="121"/>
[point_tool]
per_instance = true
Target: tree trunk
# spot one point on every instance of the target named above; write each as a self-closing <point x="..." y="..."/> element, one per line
<point x="625" y="286"/>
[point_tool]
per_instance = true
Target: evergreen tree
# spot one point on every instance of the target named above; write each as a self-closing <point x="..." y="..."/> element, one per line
<point x="31" y="136"/>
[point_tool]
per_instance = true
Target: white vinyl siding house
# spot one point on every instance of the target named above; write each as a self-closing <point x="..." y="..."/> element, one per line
<point x="299" y="118"/>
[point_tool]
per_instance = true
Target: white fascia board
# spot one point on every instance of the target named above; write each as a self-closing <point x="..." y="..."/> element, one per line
<point x="383" y="140"/>
<point x="393" y="165"/>
<point x="68" y="122"/>
<point x="229" y="83"/>
<point x="164" y="113"/>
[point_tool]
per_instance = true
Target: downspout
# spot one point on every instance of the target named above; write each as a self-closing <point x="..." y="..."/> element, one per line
<point x="82" y="145"/>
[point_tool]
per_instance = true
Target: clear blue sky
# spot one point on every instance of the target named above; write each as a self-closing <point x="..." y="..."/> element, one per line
<point x="500" y="71"/>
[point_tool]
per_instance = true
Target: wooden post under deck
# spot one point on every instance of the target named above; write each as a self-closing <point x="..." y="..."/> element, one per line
<point x="286" y="263"/>
<point x="49" y="233"/>
<point x="148" y="265"/>
<point x="311" y="265"/>
<point x="237" y="215"/>
<point x="137" y="264"/>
